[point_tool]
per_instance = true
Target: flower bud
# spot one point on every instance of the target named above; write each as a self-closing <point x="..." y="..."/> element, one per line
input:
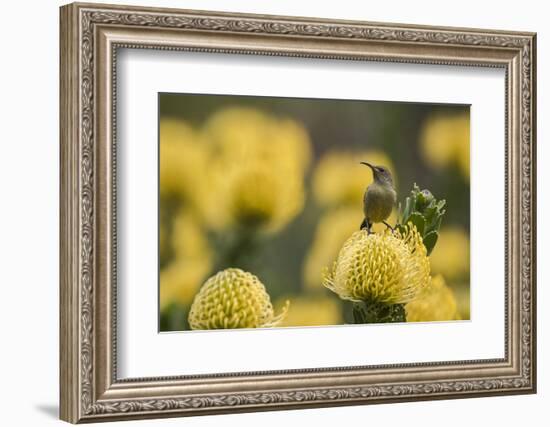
<point x="423" y="200"/>
<point x="233" y="299"/>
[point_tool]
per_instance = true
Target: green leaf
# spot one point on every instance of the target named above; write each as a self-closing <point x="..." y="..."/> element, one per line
<point x="430" y="240"/>
<point x="418" y="220"/>
<point x="413" y="202"/>
<point x="432" y="223"/>
<point x="425" y="212"/>
<point x="430" y="212"/>
<point x="437" y="223"/>
<point x="406" y="211"/>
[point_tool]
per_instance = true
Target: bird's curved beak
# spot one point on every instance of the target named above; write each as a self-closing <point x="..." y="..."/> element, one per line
<point x="367" y="164"/>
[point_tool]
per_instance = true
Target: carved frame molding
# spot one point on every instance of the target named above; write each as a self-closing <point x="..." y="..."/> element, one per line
<point x="90" y="37"/>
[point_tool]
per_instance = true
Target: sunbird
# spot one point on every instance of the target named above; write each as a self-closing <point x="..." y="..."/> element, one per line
<point x="379" y="198"/>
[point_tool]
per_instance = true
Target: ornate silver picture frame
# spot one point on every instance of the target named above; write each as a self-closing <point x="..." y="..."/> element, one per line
<point x="91" y="36"/>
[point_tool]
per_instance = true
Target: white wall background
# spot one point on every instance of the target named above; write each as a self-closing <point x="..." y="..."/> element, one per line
<point x="29" y="170"/>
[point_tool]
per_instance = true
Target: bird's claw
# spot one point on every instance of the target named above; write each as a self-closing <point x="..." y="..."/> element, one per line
<point x="389" y="226"/>
<point x="366" y="225"/>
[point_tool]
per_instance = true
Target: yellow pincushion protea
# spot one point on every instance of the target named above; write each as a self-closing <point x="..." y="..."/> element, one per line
<point x="390" y="268"/>
<point x="241" y="135"/>
<point x="436" y="303"/>
<point x="233" y="299"/>
<point x="254" y="201"/>
<point x="333" y="229"/>
<point x="257" y="197"/>
<point x="256" y="169"/>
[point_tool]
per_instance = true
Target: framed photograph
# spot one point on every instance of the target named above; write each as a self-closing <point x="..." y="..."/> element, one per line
<point x="265" y="212"/>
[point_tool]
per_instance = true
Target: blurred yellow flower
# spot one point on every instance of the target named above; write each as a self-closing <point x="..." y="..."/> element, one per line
<point x="390" y="268"/>
<point x="256" y="169"/>
<point x="339" y="179"/>
<point x="182" y="160"/>
<point x="451" y="255"/>
<point x="312" y="310"/>
<point x="254" y="201"/>
<point x="436" y="303"/>
<point x="293" y="144"/>
<point x="180" y="280"/>
<point x="239" y="135"/>
<point x="257" y="197"/>
<point x="163" y="240"/>
<point x="334" y="228"/>
<point x="188" y="238"/>
<point x="445" y="139"/>
<point x="233" y="299"/>
<point x="462" y="294"/>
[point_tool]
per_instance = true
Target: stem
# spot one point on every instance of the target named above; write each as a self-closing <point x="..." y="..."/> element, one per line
<point x="237" y="249"/>
<point x="375" y="312"/>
